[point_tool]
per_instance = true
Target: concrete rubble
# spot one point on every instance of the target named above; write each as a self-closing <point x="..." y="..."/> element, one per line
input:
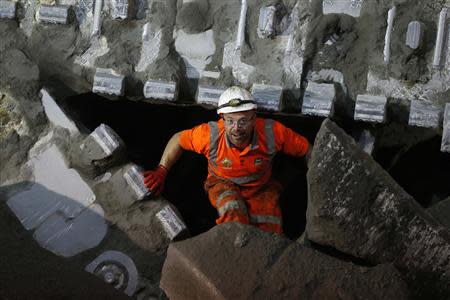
<point x="268" y="272"/>
<point x="357" y="208"/>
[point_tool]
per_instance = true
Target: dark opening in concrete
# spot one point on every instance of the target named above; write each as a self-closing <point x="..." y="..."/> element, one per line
<point x="146" y="128"/>
<point x="424" y="172"/>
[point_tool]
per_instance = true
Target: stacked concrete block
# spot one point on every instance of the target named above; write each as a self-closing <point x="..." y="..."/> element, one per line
<point x="266" y="22"/>
<point x="424" y="114"/>
<point x="59" y="206"/>
<point x="56" y="14"/>
<point x="161" y="90"/>
<point x="445" y="145"/>
<point x="7" y="9"/>
<point x="414" y="35"/>
<point x="171" y="222"/>
<point x="106" y="81"/>
<point x="267" y="97"/>
<point x="319" y="99"/>
<point x="116" y="269"/>
<point x="209" y="94"/>
<point x="370" y="108"/>
<point x="349" y="7"/>
<point x="135" y="180"/>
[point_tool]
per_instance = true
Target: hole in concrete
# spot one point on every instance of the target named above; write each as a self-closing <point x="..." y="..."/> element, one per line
<point x="146" y="128"/>
<point x="423" y="171"/>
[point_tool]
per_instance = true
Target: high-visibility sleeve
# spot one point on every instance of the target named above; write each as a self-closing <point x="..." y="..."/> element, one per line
<point x="288" y="141"/>
<point x="196" y="139"/>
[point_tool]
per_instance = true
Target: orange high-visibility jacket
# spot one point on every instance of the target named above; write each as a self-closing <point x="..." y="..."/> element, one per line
<point x="251" y="166"/>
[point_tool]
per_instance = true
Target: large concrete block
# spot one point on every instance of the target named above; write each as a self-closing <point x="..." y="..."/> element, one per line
<point x="7" y="9"/>
<point x="267" y="266"/>
<point x="319" y="99"/>
<point x="57" y="14"/>
<point x="370" y="108"/>
<point x="357" y="208"/>
<point x="424" y="114"/>
<point x="445" y="145"/>
<point x="106" y="81"/>
<point x="267" y="97"/>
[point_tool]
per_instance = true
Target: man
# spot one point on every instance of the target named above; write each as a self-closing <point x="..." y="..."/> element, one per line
<point x="239" y="148"/>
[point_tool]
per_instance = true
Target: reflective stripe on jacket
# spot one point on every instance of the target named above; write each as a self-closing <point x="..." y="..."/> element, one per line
<point x="251" y="166"/>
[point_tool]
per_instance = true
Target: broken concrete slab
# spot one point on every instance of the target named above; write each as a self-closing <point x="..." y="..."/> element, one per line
<point x="424" y="114"/>
<point x="319" y="99"/>
<point x="267" y="266"/>
<point x="441" y="212"/>
<point x="357" y="208"/>
<point x="56" y="14"/>
<point x="370" y="108"/>
<point x="8" y="9"/>
<point x="267" y="97"/>
<point x="445" y="145"/>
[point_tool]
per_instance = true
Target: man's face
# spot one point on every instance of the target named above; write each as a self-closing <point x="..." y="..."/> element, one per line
<point x="239" y="127"/>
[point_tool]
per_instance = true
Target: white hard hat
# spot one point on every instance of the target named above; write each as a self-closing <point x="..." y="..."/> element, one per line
<point x="235" y="99"/>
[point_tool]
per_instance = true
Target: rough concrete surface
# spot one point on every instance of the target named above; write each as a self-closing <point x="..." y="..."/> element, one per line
<point x="234" y="261"/>
<point x="357" y="208"/>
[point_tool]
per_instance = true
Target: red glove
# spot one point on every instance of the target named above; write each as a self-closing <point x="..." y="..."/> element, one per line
<point x="154" y="180"/>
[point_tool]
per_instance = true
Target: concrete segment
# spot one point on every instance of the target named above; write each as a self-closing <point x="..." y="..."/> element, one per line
<point x="209" y="94"/>
<point x="319" y="99"/>
<point x="7" y="9"/>
<point x="267" y="97"/>
<point x="370" y="108"/>
<point x="349" y="7"/>
<point x="106" y="81"/>
<point x="414" y="35"/>
<point x="424" y="114"/>
<point x="357" y="208"/>
<point x="57" y="14"/>
<point x="161" y="90"/>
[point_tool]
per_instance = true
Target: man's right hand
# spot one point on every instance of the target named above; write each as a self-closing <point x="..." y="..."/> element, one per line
<point x="154" y="180"/>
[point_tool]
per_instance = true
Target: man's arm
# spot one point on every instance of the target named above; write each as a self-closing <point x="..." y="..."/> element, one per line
<point x="172" y="152"/>
<point x="154" y="180"/>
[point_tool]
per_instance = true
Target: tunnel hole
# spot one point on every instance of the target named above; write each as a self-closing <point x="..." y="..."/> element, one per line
<point x="146" y="127"/>
<point x="423" y="171"/>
